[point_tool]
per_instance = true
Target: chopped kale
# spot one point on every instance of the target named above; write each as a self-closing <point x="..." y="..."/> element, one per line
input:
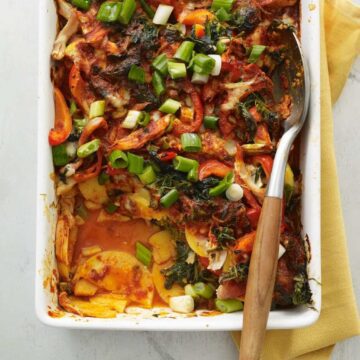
<point x="238" y="272"/>
<point x="143" y="93"/>
<point x="181" y="272"/>
<point x="224" y="235"/>
<point x="302" y="293"/>
<point x="249" y="120"/>
<point x="245" y="19"/>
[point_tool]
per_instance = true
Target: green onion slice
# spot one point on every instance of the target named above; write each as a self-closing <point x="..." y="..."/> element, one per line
<point x="127" y="11"/>
<point x="169" y="198"/>
<point x="97" y="108"/>
<point x="137" y="74"/>
<point x="158" y="84"/>
<point x="170" y="106"/>
<point x="228" y="305"/>
<point x="160" y="63"/>
<point x="88" y="148"/>
<point x="61" y="155"/>
<point x="184" y="164"/>
<point x="143" y="254"/>
<point x="82" y="4"/>
<point x="136" y="164"/>
<point x="222" y="4"/>
<point x="203" y="290"/>
<point x="118" y="159"/>
<point x="193" y="174"/>
<point x="148" y="176"/>
<point x="220" y="47"/>
<point x="203" y="64"/>
<point x="176" y="70"/>
<point x="109" y="11"/>
<point x="144" y="118"/>
<point x="223" y="15"/>
<point x="223" y="185"/>
<point x="147" y="8"/>
<point x="191" y="142"/>
<point x="184" y="51"/>
<point x="255" y="53"/>
<point x="211" y="122"/>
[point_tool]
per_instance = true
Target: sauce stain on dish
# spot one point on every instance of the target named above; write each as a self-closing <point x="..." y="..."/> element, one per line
<point x="112" y="235"/>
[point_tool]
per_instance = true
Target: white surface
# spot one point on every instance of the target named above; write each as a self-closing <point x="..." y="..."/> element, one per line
<point x="21" y="334"/>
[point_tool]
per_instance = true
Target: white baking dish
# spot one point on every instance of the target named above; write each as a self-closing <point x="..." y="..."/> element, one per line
<point x="46" y="212"/>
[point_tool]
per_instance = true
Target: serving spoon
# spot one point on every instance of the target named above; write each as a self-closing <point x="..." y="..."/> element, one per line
<point x="263" y="262"/>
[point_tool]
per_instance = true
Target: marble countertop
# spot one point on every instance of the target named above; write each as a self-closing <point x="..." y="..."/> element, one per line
<point x="22" y="335"/>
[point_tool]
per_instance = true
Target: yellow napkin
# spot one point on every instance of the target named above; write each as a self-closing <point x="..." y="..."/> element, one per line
<point x="339" y="318"/>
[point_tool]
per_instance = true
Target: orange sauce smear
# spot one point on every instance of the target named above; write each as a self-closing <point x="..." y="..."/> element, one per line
<point x="115" y="235"/>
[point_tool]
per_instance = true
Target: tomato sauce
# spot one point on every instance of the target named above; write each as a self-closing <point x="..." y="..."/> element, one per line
<point x="112" y="235"/>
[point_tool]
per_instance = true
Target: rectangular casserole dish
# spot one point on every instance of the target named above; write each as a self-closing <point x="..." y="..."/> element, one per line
<point x="46" y="297"/>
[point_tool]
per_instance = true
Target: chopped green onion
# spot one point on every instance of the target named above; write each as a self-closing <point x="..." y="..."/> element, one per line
<point x="81" y="211"/>
<point x="255" y="53"/>
<point x="203" y="290"/>
<point x="218" y="63"/>
<point x="73" y="107"/>
<point x="189" y="290"/>
<point x="224" y="4"/>
<point x="127" y="11"/>
<point x="228" y="305"/>
<point x="103" y="178"/>
<point x="109" y="11"/>
<point x="88" y="148"/>
<point x="144" y="119"/>
<point x="203" y="64"/>
<point x="143" y="254"/>
<point x="111" y="208"/>
<point x="160" y="63"/>
<point x="136" y="74"/>
<point x="79" y="124"/>
<point x="82" y="4"/>
<point x="136" y="164"/>
<point x="97" y="108"/>
<point x="176" y="70"/>
<point x="199" y="79"/>
<point x="158" y="84"/>
<point x="223" y="15"/>
<point x="220" y="47"/>
<point x="148" y="176"/>
<point x="169" y="198"/>
<point x="162" y="14"/>
<point x="132" y="119"/>
<point x="60" y="155"/>
<point x="184" y="51"/>
<point x="211" y="122"/>
<point x="147" y="8"/>
<point x="170" y="106"/>
<point x="193" y="174"/>
<point x="191" y="142"/>
<point x="118" y="159"/>
<point x="184" y="164"/>
<point x="223" y="185"/>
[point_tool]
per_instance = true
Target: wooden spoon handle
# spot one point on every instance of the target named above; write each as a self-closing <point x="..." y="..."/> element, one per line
<point x="261" y="279"/>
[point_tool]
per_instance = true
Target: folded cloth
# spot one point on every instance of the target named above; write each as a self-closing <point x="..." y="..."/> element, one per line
<point x="340" y="44"/>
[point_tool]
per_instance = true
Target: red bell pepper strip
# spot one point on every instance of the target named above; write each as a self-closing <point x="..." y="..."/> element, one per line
<point x="253" y="214"/>
<point x="63" y="122"/>
<point x="245" y="243"/>
<point x="90" y="127"/>
<point x="91" y="172"/>
<point x="194" y="126"/>
<point x="266" y="162"/>
<point x="262" y="135"/>
<point x="82" y="95"/>
<point x="213" y="167"/>
<point x="167" y="155"/>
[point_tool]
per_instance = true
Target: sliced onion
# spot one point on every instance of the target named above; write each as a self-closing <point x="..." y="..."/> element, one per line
<point x="217" y="259"/>
<point x="234" y="192"/>
<point x="217" y="68"/>
<point x="182" y="304"/>
<point x="230" y="147"/>
<point x="199" y="79"/>
<point x="131" y="119"/>
<point x="162" y="14"/>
